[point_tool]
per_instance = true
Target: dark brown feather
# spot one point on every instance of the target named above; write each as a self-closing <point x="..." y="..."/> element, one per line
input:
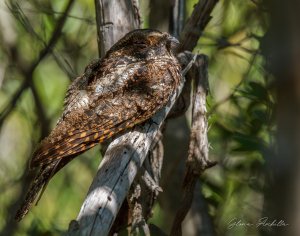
<point x="127" y="87"/>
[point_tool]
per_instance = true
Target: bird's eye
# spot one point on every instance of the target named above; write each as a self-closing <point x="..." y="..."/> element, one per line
<point x="140" y="43"/>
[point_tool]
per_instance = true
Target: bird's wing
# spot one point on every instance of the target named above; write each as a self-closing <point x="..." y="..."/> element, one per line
<point x="101" y="77"/>
<point x="144" y="88"/>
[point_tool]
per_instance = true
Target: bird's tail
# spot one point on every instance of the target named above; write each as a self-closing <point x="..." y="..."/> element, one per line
<point x="38" y="186"/>
<point x="51" y="157"/>
<point x="50" y="163"/>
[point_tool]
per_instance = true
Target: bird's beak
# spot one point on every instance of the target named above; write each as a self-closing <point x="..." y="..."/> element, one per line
<point x="172" y="44"/>
<point x="173" y="40"/>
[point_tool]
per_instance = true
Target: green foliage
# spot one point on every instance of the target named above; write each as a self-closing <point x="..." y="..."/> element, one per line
<point x="240" y="106"/>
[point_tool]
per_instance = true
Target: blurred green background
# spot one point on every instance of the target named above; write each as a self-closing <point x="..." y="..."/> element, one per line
<point x="240" y="107"/>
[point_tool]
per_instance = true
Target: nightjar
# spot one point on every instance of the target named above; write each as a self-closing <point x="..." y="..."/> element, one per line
<point x="128" y="86"/>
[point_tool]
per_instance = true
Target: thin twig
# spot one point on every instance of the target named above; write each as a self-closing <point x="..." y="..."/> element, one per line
<point x="189" y="37"/>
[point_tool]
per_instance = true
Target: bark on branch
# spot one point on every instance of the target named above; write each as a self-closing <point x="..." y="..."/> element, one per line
<point x="194" y="27"/>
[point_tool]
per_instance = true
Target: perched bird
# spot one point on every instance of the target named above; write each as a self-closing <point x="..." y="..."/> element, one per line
<point x="128" y="86"/>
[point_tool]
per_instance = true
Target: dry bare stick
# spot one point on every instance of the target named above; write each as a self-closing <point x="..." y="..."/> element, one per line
<point x="197" y="160"/>
<point x="145" y="188"/>
<point x="177" y="18"/>
<point x="114" y="19"/>
<point x="194" y="27"/>
<point x="189" y="37"/>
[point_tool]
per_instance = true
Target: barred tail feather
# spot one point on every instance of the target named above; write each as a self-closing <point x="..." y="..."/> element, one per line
<point x="35" y="190"/>
<point x="51" y="157"/>
<point x="73" y="145"/>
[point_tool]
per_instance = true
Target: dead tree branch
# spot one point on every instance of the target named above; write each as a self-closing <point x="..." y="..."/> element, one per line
<point x="194" y="27"/>
<point x="109" y="31"/>
<point x="114" y="19"/>
<point x="197" y="160"/>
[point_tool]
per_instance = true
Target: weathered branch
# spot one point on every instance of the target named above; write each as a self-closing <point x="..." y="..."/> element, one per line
<point x="197" y="160"/>
<point x="159" y="14"/>
<point x="114" y="19"/>
<point x="194" y="27"/>
<point x="198" y="155"/>
<point x="145" y="188"/>
<point x="111" y="27"/>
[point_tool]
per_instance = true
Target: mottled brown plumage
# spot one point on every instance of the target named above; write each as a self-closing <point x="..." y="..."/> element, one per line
<point x="127" y="87"/>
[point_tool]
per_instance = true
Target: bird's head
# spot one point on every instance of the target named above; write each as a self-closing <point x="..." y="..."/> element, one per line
<point x="145" y="44"/>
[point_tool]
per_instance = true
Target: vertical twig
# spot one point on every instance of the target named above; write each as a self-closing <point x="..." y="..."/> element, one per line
<point x="159" y="14"/>
<point x="177" y="17"/>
